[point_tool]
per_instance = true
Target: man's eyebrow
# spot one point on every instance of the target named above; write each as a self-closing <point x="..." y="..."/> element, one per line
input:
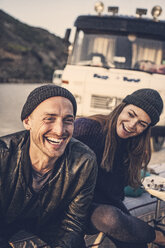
<point x="49" y="114"/>
<point x="52" y="114"/>
<point x="136" y="115"/>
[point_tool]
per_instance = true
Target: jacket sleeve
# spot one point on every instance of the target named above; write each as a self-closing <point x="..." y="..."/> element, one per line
<point x="4" y="243"/>
<point x="3" y="239"/>
<point x="73" y="225"/>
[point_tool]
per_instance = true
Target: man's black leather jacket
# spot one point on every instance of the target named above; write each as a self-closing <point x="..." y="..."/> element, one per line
<point x="60" y="208"/>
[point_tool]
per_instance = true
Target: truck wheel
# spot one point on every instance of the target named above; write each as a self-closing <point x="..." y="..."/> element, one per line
<point x="157" y="143"/>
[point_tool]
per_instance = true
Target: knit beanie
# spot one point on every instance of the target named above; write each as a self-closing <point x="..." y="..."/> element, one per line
<point x="149" y="100"/>
<point x="42" y="93"/>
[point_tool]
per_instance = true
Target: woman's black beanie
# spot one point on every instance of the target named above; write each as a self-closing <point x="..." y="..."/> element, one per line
<point x="42" y="93"/>
<point x="149" y="100"/>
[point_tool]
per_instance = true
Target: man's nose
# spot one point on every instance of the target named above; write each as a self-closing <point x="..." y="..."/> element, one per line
<point x="58" y="127"/>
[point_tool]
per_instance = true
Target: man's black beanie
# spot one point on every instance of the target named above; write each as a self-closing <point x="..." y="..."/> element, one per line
<point x="149" y="100"/>
<point x="42" y="93"/>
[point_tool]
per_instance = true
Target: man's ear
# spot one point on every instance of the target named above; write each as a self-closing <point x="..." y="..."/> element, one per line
<point x="26" y="123"/>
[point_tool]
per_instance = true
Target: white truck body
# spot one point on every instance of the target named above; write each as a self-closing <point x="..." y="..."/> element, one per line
<point x="98" y="90"/>
<point x="111" y="57"/>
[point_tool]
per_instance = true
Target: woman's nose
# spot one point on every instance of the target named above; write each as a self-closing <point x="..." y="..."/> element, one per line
<point x="133" y="123"/>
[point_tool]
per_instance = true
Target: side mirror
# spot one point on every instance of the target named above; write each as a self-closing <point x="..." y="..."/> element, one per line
<point x="67" y="34"/>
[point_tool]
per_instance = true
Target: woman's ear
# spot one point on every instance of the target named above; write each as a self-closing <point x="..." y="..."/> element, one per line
<point x="26" y="123"/>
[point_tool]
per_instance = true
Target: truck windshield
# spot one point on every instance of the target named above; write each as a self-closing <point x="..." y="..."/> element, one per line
<point x="116" y="51"/>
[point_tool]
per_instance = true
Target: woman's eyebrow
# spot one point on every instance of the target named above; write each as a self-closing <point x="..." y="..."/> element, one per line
<point x="133" y="112"/>
<point x="136" y="115"/>
<point x="145" y="122"/>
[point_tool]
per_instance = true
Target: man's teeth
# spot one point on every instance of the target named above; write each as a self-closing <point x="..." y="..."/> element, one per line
<point x="54" y="141"/>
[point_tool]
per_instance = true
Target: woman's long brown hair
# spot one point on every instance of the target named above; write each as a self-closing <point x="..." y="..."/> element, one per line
<point x="138" y="148"/>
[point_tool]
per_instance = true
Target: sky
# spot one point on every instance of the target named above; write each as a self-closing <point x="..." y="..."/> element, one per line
<point x="58" y="15"/>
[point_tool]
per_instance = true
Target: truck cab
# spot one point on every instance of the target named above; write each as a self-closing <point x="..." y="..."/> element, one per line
<point x="112" y="56"/>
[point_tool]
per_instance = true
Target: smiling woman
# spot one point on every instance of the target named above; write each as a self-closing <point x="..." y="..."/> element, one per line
<point x="121" y="142"/>
<point x="132" y="121"/>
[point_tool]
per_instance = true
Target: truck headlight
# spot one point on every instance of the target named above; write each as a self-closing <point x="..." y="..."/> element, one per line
<point x="156" y="11"/>
<point x="99" y="7"/>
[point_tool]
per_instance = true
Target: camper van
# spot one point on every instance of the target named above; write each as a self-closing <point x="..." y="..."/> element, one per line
<point x="114" y="55"/>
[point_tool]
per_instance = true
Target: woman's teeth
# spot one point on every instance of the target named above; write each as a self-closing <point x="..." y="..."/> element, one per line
<point x="129" y="131"/>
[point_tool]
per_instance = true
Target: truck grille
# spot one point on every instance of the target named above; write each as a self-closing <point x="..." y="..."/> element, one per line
<point x="104" y="102"/>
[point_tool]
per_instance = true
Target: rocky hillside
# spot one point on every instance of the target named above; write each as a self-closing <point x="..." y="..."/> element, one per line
<point x="28" y="54"/>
